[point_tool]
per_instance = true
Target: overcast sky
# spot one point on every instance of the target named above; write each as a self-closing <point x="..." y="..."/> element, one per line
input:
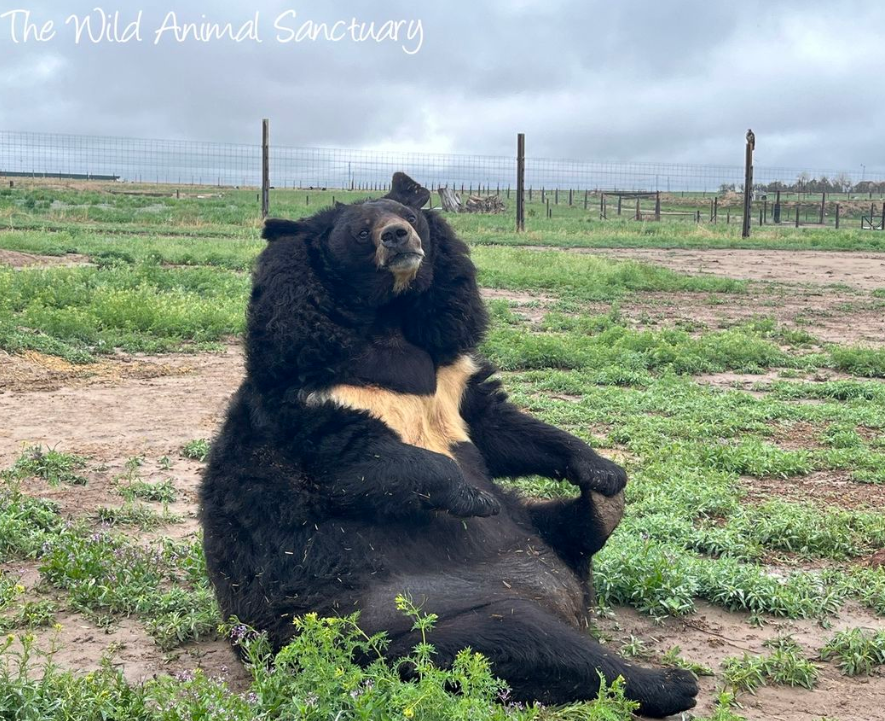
<point x="615" y="80"/>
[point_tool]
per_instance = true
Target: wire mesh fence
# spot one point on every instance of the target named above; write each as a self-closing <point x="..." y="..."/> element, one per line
<point x="227" y="164"/>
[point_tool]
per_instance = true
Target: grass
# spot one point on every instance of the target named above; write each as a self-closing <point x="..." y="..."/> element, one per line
<point x="176" y="278"/>
<point x="79" y="312"/>
<point x="197" y="449"/>
<point x="159" y="492"/>
<point x="784" y="666"/>
<point x="49" y="464"/>
<point x="858" y="652"/>
<point x="136" y="515"/>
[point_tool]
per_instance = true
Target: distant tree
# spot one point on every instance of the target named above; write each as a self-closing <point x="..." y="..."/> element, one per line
<point x="842" y="183"/>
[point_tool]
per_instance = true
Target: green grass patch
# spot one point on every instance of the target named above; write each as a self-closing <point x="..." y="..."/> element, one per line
<point x="857" y="651"/>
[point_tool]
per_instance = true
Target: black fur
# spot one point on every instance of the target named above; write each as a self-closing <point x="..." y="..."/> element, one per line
<point x="312" y="507"/>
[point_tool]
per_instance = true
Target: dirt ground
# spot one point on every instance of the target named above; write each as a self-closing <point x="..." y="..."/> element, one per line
<point x="712" y="634"/>
<point x="150" y="406"/>
<point x="858" y="270"/>
<point x="112" y="411"/>
<point x="16" y="259"/>
<point x="117" y="415"/>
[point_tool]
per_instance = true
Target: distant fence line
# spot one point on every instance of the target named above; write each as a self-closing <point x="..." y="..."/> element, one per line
<point x="186" y="162"/>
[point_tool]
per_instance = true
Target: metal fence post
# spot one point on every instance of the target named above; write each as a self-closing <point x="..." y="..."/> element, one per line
<point x="265" y="168"/>
<point x="520" y="182"/>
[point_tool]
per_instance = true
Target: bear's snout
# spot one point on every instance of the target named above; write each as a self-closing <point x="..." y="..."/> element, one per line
<point x="396" y="235"/>
<point x="399" y="247"/>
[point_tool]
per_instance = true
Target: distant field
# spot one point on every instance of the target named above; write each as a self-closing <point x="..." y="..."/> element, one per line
<point x="747" y="402"/>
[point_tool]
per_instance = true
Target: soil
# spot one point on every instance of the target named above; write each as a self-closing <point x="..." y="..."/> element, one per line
<point x="150" y="406"/>
<point x="111" y="411"/>
<point x="115" y="414"/>
<point x="858" y="270"/>
<point x="15" y="259"/>
<point x="712" y="634"/>
<point x="828" y="489"/>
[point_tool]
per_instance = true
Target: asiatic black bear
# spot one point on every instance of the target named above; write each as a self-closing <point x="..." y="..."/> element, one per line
<point x="357" y="458"/>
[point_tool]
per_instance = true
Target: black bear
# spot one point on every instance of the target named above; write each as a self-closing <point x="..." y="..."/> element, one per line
<point x="356" y="463"/>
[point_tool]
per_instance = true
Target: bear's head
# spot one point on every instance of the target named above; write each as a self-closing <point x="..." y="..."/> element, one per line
<point x="375" y="247"/>
<point x="324" y="282"/>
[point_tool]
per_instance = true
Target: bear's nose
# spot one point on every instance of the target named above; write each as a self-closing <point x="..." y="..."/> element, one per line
<point x="395" y="235"/>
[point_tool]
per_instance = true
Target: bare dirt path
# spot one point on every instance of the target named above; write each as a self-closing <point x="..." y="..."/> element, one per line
<point x="858" y="270"/>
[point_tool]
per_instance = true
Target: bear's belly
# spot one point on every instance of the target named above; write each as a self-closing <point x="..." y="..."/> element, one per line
<point x="430" y="421"/>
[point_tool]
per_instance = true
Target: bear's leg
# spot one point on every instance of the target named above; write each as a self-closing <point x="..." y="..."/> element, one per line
<point x="544" y="659"/>
<point x="577" y="528"/>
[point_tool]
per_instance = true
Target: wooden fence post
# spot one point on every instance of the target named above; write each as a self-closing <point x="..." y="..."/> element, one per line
<point x="748" y="183"/>
<point x="837" y="216"/>
<point x="797" y="214"/>
<point x="658" y="205"/>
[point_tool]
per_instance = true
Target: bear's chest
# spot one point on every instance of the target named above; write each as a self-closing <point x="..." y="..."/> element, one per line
<point x="399" y="385"/>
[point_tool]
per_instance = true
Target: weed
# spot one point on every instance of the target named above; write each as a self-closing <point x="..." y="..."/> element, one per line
<point x="51" y="465"/>
<point x="197" y="449"/>
<point x="783" y="666"/>
<point x="857" y="651"/>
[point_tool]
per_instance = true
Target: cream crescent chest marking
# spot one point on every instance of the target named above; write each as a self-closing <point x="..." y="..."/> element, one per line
<point x="431" y="422"/>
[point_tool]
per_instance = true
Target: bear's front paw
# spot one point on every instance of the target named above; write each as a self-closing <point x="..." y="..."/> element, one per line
<point x="469" y="501"/>
<point x="595" y="473"/>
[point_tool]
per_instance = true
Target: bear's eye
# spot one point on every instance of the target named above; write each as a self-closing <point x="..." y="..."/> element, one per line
<point x="363" y="234"/>
<point x="412" y="218"/>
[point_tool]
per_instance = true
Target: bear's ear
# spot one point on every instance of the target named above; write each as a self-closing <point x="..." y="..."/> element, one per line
<point x="278" y="228"/>
<point x="407" y="191"/>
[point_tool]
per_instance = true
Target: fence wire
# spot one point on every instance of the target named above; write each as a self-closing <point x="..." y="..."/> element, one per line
<point x="185" y="162"/>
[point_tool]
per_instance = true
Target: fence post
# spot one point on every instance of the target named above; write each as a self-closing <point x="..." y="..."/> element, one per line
<point x="837" y="216"/>
<point x="619" y="204"/>
<point x="716" y="209"/>
<point x="569" y="196"/>
<point x="586" y="195"/>
<point x="883" y="216"/>
<point x="748" y="183"/>
<point x="265" y="168"/>
<point x="797" y="214"/>
<point x="556" y="196"/>
<point x="520" y="182"/>
<point x="777" y="207"/>
<point x="638" y="214"/>
<point x="823" y="206"/>
<point x="658" y="205"/>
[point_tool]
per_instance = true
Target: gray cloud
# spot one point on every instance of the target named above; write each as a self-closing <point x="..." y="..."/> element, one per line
<point x="652" y="81"/>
